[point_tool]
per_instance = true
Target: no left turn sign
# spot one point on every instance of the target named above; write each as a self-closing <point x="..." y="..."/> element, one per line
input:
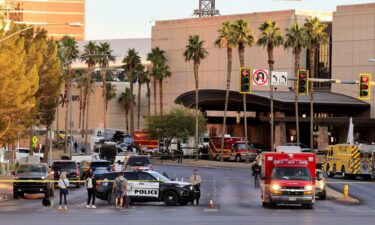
<point x="260" y="77"/>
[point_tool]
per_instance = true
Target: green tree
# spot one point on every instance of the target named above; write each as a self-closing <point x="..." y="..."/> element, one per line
<point x="314" y="35"/>
<point x="243" y="36"/>
<point x="226" y="40"/>
<point x="295" y="39"/>
<point x="140" y="73"/>
<point x="195" y="52"/>
<point x="68" y="52"/>
<point x="104" y="57"/>
<point x="132" y="60"/>
<point x="158" y="59"/>
<point x="146" y="78"/>
<point x="127" y="99"/>
<point x="270" y="38"/>
<point x="90" y="57"/>
<point x="110" y="93"/>
<point x="179" y="123"/>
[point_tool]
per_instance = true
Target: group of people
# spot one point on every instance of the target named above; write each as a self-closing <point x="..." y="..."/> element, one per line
<point x="119" y="189"/>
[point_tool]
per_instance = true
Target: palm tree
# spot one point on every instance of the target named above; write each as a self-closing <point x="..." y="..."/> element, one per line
<point x="295" y="40"/>
<point x="127" y="99"/>
<point x="104" y="57"/>
<point x="68" y="51"/>
<point x="314" y="35"/>
<point x="157" y="58"/>
<point x="146" y="78"/>
<point x="140" y="80"/>
<point x="110" y="91"/>
<point x="90" y="56"/>
<point x="226" y="40"/>
<point x="270" y="38"/>
<point x="131" y="60"/>
<point x="195" y="52"/>
<point x="164" y="73"/>
<point x="243" y="36"/>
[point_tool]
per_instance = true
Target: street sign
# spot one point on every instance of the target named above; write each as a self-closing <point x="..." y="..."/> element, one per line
<point x="279" y="78"/>
<point x="260" y="77"/>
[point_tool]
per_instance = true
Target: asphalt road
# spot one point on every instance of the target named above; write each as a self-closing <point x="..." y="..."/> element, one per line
<point x="232" y="189"/>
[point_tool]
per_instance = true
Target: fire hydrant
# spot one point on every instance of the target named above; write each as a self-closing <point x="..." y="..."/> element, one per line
<point x="346" y="191"/>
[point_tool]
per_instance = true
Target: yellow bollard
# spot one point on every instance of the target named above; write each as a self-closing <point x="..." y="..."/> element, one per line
<point x="346" y="191"/>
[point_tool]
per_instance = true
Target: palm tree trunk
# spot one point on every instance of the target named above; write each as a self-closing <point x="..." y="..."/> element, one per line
<point x="270" y="64"/>
<point x="67" y="90"/>
<point x="229" y="73"/>
<point x="161" y="95"/>
<point x="80" y="107"/>
<point x="131" y="109"/>
<point x="87" y="109"/>
<point x="241" y="55"/>
<point x="104" y="80"/>
<point x="57" y="114"/>
<point x="84" y="110"/>
<point x="312" y="74"/>
<point x="127" y="120"/>
<point x="139" y="104"/>
<point x="196" y="65"/>
<point x="149" y="98"/>
<point x="154" y="83"/>
<point x="46" y="146"/>
<point x="296" y="66"/>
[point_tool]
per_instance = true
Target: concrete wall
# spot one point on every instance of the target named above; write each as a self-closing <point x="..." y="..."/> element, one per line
<point x="353" y="43"/>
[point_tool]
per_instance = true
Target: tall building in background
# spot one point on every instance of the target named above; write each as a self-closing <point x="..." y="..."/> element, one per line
<point x="43" y="12"/>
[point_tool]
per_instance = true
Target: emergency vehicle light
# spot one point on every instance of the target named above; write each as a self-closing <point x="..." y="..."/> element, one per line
<point x="269" y="158"/>
<point x="310" y="159"/>
<point x="290" y="155"/>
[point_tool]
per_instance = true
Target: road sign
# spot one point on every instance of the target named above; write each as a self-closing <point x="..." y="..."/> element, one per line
<point x="279" y="78"/>
<point x="260" y="77"/>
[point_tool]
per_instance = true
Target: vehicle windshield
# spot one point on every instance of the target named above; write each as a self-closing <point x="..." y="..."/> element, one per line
<point x="100" y="164"/>
<point x="63" y="165"/>
<point x="159" y="177"/>
<point x="291" y="173"/>
<point x="23" y="150"/>
<point x="240" y="146"/>
<point x="32" y="169"/>
<point x="138" y="161"/>
<point x="205" y="139"/>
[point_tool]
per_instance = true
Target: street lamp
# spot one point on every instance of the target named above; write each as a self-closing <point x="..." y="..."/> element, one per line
<point x="371" y="59"/>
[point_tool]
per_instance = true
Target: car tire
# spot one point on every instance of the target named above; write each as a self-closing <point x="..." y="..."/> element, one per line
<point x="238" y="158"/>
<point x="170" y="198"/>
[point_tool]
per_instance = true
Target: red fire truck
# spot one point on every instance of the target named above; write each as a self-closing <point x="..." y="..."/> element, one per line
<point x="234" y="149"/>
<point x="288" y="178"/>
<point x="145" y="144"/>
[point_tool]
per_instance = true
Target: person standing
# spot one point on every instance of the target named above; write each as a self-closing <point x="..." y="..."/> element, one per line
<point x="63" y="184"/>
<point x="119" y="188"/>
<point x="195" y="180"/>
<point x="256" y="172"/>
<point x="75" y="146"/>
<point x="180" y="152"/>
<point x="91" y="187"/>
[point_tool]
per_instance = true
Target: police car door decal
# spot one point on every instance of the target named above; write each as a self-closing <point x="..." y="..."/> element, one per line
<point x="143" y="188"/>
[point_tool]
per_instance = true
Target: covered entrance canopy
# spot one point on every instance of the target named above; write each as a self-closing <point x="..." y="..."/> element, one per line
<point x="214" y="99"/>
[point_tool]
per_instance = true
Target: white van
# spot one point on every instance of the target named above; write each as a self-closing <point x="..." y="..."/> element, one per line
<point x="22" y="153"/>
<point x="288" y="149"/>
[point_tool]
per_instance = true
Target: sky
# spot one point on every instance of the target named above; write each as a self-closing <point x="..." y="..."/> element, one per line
<point x="116" y="19"/>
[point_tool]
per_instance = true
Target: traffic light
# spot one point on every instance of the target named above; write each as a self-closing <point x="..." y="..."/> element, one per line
<point x="245" y="80"/>
<point x="364" y="86"/>
<point x="302" y="82"/>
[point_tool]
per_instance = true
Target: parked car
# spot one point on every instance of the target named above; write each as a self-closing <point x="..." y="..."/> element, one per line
<point x="147" y="186"/>
<point x="68" y="166"/>
<point x="320" y="185"/>
<point x="137" y="163"/>
<point x="95" y="167"/>
<point x="22" y="153"/>
<point x="33" y="171"/>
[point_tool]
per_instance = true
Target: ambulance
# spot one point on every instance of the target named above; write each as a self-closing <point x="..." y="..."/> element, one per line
<point x="288" y="178"/>
<point x="234" y="149"/>
<point x="350" y="161"/>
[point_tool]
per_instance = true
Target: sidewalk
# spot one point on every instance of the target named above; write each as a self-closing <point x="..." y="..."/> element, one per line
<point x="205" y="163"/>
<point x="6" y="189"/>
<point x="338" y="196"/>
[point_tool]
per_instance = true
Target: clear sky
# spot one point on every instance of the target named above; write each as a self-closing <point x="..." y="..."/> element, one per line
<point x="113" y="19"/>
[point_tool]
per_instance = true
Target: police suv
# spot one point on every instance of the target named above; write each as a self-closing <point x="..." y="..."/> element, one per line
<point x="146" y="186"/>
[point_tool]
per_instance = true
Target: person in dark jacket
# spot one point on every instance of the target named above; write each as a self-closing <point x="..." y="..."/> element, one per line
<point x="90" y="185"/>
<point x="256" y="172"/>
<point x="180" y="152"/>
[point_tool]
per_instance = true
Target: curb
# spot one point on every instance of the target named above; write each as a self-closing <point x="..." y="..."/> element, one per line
<point x="338" y="196"/>
<point x="202" y="166"/>
<point x="5" y="197"/>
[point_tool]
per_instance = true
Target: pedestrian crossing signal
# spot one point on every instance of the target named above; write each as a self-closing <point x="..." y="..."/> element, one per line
<point x="302" y="82"/>
<point x="364" y="86"/>
<point x="245" y="80"/>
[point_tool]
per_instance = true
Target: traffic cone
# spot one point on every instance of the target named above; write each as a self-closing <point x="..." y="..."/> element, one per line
<point x="211" y="204"/>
